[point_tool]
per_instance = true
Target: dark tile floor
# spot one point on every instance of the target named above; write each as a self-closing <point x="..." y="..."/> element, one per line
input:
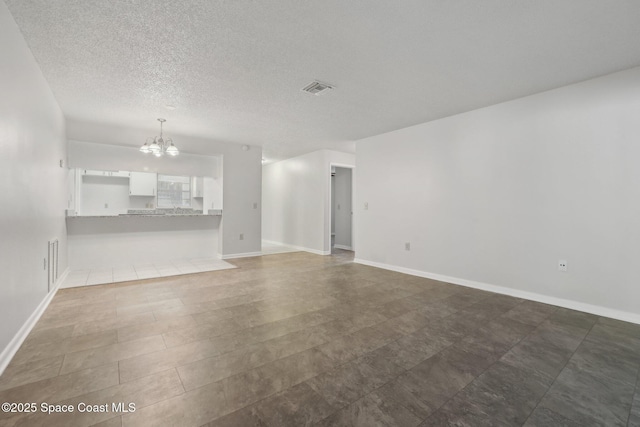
<point x="298" y="339"/>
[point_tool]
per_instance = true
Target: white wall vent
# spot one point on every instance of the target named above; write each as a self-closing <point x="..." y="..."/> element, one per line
<point x="317" y="88"/>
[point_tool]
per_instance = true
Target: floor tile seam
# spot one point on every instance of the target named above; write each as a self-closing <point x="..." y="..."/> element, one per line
<point x="239" y="305"/>
<point x="151" y="277"/>
<point x="114" y="328"/>
<point x="84" y="308"/>
<point x="226" y="405"/>
<point x="536" y="325"/>
<point x="392" y="379"/>
<point x="184" y="389"/>
<point x="217" y="355"/>
<point x="237" y="332"/>
<point x="549" y="387"/>
<point x="133" y="357"/>
<point x="561" y="348"/>
<point x="265" y="363"/>
<point x="476" y="377"/>
<point x="17" y="362"/>
<point x="61" y="365"/>
<point x="137" y="312"/>
<point x="120" y="343"/>
<point x="66" y="351"/>
<point x="635" y="392"/>
<point x="555" y="380"/>
<point x="154" y="403"/>
<point x="260" y="342"/>
<point x="4" y="389"/>
<point x="614" y="325"/>
<point x="340" y="408"/>
<point x="138" y="325"/>
<point x="144" y="336"/>
<point x="105" y="364"/>
<point x="54" y="400"/>
<point x="227" y="411"/>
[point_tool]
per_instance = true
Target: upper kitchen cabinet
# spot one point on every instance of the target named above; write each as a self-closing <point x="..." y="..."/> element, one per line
<point x="143" y="184"/>
<point x="197" y="186"/>
<point x="115" y="174"/>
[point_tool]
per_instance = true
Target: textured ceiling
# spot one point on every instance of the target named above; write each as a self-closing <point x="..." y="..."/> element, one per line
<point x="234" y="68"/>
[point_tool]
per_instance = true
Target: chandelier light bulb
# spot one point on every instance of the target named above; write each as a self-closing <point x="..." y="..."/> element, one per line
<point x="159" y="146"/>
<point x="172" y="150"/>
<point x="145" y="148"/>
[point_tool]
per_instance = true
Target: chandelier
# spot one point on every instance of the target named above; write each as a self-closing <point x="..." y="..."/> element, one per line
<point x="160" y="146"/>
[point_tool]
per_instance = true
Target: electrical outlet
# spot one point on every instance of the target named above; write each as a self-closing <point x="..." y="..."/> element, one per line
<point x="366" y="206"/>
<point x="241" y="236"/>
<point x="407" y="246"/>
<point x="255" y="205"/>
<point x="562" y="265"/>
<point x="106" y="205"/>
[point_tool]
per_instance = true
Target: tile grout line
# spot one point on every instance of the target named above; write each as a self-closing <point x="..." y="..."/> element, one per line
<point x="159" y="276"/>
<point x="293" y="385"/>
<point x="61" y="364"/>
<point x="636" y="391"/>
<point x="404" y="370"/>
<point x="560" y="372"/>
<point x="184" y="389"/>
<point x="488" y="367"/>
<point x="161" y="400"/>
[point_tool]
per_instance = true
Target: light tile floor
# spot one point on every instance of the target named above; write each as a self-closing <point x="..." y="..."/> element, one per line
<point x="297" y="339"/>
<point x="104" y="275"/>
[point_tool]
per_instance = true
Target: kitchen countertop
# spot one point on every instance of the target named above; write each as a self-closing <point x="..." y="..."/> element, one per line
<point x="163" y="215"/>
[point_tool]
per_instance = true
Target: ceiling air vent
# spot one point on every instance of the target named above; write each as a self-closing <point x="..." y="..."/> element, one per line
<point x="317" y="88"/>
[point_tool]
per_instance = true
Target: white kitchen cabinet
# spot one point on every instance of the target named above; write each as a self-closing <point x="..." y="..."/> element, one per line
<point x="197" y="187"/>
<point x="74" y="186"/>
<point x="115" y="174"/>
<point x="212" y="198"/>
<point x="143" y="184"/>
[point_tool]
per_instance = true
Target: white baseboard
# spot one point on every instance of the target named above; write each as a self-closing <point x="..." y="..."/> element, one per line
<point x="273" y="242"/>
<point x="313" y="251"/>
<point x="346" y="248"/>
<point x="14" y="345"/>
<point x="546" y="299"/>
<point x="241" y="255"/>
<point x="299" y="248"/>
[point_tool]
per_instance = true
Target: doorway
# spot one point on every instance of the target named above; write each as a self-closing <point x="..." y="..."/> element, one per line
<point x="341" y="208"/>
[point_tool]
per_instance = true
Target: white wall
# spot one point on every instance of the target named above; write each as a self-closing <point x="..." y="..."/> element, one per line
<point x="241" y="178"/>
<point x="342" y="208"/>
<point x="498" y="195"/>
<point x="32" y="184"/>
<point x="117" y="241"/>
<point x="296" y="200"/>
<point x="242" y="194"/>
